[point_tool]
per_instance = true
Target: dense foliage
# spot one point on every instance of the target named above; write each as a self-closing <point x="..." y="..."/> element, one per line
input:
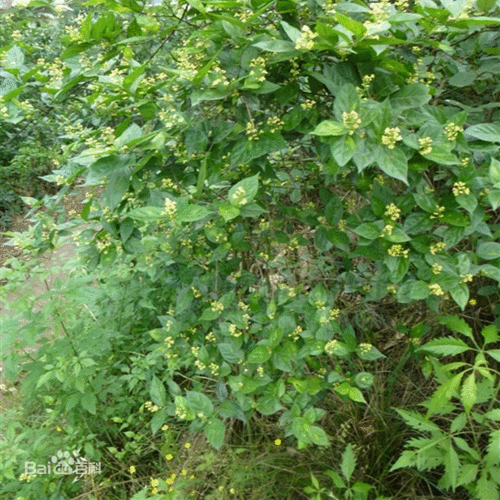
<point x="297" y="232"/>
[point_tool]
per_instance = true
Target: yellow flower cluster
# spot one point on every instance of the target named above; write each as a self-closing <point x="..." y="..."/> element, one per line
<point x="234" y="331"/>
<point x="342" y="224"/>
<point x="391" y="136"/>
<point x="306" y="39"/>
<point x="436" y="268"/>
<point x="460" y="188"/>
<point x="437" y="247"/>
<point x="436" y="289"/>
<point x="398" y="251"/>
<point x="170" y="208"/>
<point x="275" y="123"/>
<point x="393" y="212"/>
<point x="151" y="407"/>
<point x="253" y="132"/>
<point x="217" y="306"/>
<point x="331" y="346"/>
<point x="308" y="104"/>
<point x="425" y="145"/>
<point x="451" y="130"/>
<point x="366" y="82"/>
<point x="387" y="231"/>
<point x="364" y="348"/>
<point x="351" y="121"/>
<point x="258" y="69"/>
<point x="466" y="278"/>
<point x="438" y="213"/>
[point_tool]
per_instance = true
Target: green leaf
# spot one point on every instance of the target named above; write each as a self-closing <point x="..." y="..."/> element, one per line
<point x="343" y="149"/>
<point x="350" y="24"/>
<point x="228" y="211"/>
<point x="490" y="334"/>
<point x="467" y="201"/>
<point x="393" y="162"/>
<point x="321" y="239"/>
<point x="445" y="346"/>
<point x="157" y="392"/>
<point x="417" y="420"/>
<point x="268" y="405"/>
<point x="488" y="250"/>
<point x="356" y="395"/>
<point x="88" y="402"/>
<point x="420" y="290"/>
<point x="334" y="210"/>
<point x="442" y="156"/>
<point x="457" y="325"/>
<point x="348" y="463"/>
<point x="410" y="96"/>
<point x="192" y="213"/>
<point x="244" y="191"/>
<point x="319" y="436"/>
<point x="489" y="132"/>
<point x="277" y="46"/>
<point x="463" y="78"/>
<point x="293" y="33"/>
<point x="346" y="100"/>
<point x="260" y="354"/>
<point x="215" y="430"/>
<point x="199" y="403"/>
<point x="329" y="128"/>
<point x="148" y="214"/>
<point x="301" y="429"/>
<point x="494" y="172"/>
<point x="159" y="418"/>
<point x="230" y="352"/>
<point x="460" y="294"/>
<point x="368" y="230"/>
<point x="494" y="198"/>
<point x="468" y="394"/>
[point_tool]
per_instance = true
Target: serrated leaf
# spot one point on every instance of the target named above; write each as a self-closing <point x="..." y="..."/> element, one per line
<point x="468" y="394"/>
<point x="417" y="420"/>
<point x="88" y="402"/>
<point x="348" y="463"/>
<point x="457" y="325"/>
<point x="445" y="346"/>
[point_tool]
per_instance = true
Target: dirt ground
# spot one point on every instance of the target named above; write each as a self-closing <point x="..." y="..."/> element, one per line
<point x="74" y="201"/>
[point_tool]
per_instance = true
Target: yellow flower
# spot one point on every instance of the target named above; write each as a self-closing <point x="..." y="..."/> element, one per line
<point x="187" y="445"/>
<point x="184" y="472"/>
<point x="165" y="427"/>
<point x="277" y="442"/>
<point x="169" y="456"/>
<point x="460" y="188"/>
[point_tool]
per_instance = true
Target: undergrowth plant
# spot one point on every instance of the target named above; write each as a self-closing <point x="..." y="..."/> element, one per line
<point x="290" y="189"/>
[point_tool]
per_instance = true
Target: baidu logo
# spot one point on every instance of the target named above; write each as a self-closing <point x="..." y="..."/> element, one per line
<point x="63" y="463"/>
